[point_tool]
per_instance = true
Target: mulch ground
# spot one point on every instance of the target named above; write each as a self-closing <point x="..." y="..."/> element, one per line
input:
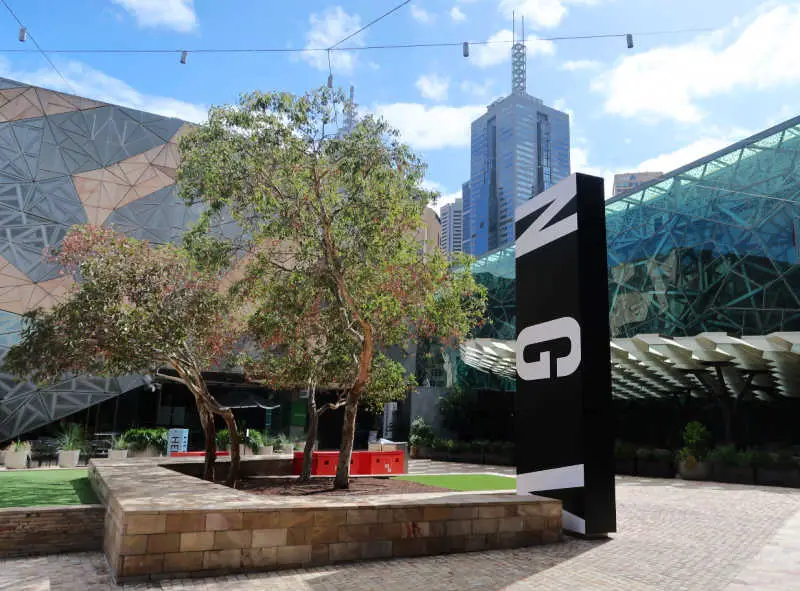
<point x="324" y="486"/>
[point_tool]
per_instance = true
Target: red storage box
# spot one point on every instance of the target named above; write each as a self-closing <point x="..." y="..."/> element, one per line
<point x="386" y="462"/>
<point x="323" y="463"/>
<point x="359" y="462"/>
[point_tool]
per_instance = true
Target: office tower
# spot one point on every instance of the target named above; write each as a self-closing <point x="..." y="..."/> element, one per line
<point x="451" y="215"/>
<point x="627" y="181"/>
<point x="519" y="148"/>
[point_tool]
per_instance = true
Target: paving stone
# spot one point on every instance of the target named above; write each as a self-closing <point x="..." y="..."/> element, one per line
<point x="673" y="535"/>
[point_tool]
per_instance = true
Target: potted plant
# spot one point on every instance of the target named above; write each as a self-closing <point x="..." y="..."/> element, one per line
<point x="281" y="444"/>
<point x="624" y="458"/>
<point x="730" y="465"/>
<point x="267" y="447"/>
<point x="254" y="440"/>
<point x="654" y="463"/>
<point x="782" y="469"/>
<point x="119" y="448"/>
<point x="17" y="454"/>
<point x="692" y="463"/>
<point x="420" y="438"/>
<point x="146" y="443"/>
<point x="71" y="441"/>
<point x="224" y="442"/>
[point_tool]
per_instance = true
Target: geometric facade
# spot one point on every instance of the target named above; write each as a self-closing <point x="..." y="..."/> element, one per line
<point x="66" y="160"/>
<point x="712" y="246"/>
<point x="704" y="278"/>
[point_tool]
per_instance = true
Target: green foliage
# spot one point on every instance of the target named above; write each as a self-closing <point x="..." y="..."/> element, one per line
<point x="224" y="439"/>
<point x="695" y="441"/>
<point x="254" y="440"/>
<point x="727" y="455"/>
<point x="139" y="439"/>
<point x="756" y="457"/>
<point x="71" y="437"/>
<point x="785" y="458"/>
<point x="421" y="433"/>
<point x="334" y="271"/>
<point x="137" y="307"/>
<point x="119" y="442"/>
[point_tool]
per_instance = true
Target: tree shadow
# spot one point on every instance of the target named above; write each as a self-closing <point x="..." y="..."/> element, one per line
<point x="84" y="491"/>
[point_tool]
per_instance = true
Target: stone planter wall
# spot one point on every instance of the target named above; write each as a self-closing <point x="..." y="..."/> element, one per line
<point x="161" y="523"/>
<point x="16" y="460"/>
<point x="50" y="530"/>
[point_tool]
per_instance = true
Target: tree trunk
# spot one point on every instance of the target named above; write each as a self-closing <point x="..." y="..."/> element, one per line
<point x="313" y="424"/>
<point x="342" y="480"/>
<point x="207" y="420"/>
<point x="230" y="423"/>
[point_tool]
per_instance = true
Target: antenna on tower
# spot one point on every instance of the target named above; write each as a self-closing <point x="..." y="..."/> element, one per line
<point x="350" y="111"/>
<point x="518" y="59"/>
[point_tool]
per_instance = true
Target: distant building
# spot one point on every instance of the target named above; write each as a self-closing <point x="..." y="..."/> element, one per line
<point x="627" y="181"/>
<point x="519" y="148"/>
<point x="451" y="217"/>
<point x="430" y="233"/>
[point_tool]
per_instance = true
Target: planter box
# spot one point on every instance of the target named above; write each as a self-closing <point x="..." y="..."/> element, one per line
<point x="625" y="466"/>
<point x="147" y="452"/>
<point x="700" y="471"/>
<point x="265" y="450"/>
<point x="68" y="458"/>
<point x="423" y="453"/>
<point x="655" y="468"/>
<point x="495" y="459"/>
<point x="16" y="460"/>
<point x="778" y="476"/>
<point x="733" y="474"/>
<point x="117" y="454"/>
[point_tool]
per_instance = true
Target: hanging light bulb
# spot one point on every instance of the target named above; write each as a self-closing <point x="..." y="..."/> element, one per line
<point x="465" y="49"/>
<point x="629" y="40"/>
<point x="23" y="34"/>
<point x="330" y="80"/>
<point x="183" y="56"/>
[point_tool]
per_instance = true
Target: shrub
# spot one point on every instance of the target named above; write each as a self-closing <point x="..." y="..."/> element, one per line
<point x="663" y="455"/>
<point x="479" y="445"/>
<point x="19" y="446"/>
<point x="223" y="439"/>
<point x="71" y="437"/>
<point x="728" y="456"/>
<point x="282" y="442"/>
<point x="644" y="453"/>
<point x="756" y="457"/>
<point x="119" y="442"/>
<point x="139" y="439"/>
<point x="695" y="441"/>
<point x="785" y="459"/>
<point x="254" y="440"/>
<point x="421" y="433"/>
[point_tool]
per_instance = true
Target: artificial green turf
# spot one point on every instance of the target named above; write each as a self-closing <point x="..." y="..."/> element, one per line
<point x="465" y="482"/>
<point x="29" y="488"/>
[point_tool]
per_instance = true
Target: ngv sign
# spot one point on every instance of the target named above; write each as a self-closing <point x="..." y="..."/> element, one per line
<point x="563" y="398"/>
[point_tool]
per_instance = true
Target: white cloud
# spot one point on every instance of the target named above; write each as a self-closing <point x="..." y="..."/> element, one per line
<point x="86" y="81"/>
<point x="327" y="29"/>
<point x="430" y="128"/>
<point x="544" y="14"/>
<point x="445" y="199"/>
<point x="576" y="65"/>
<point x="432" y="86"/>
<point x="178" y="15"/>
<point x="669" y="82"/>
<point x="669" y="161"/>
<point x="421" y="15"/>
<point x="457" y="14"/>
<point x="480" y="90"/>
<point x="498" y="50"/>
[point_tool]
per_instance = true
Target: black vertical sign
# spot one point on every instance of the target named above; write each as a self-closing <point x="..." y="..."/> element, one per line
<point x="563" y="399"/>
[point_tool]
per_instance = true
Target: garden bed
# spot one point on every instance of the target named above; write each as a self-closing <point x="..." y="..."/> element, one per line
<point x="324" y="486"/>
<point x="36" y="488"/>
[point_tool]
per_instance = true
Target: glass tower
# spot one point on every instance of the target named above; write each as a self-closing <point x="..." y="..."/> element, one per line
<point x="519" y="148"/>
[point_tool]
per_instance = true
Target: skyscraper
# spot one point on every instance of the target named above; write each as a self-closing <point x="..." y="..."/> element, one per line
<point x="451" y="217"/>
<point x="519" y="148"/>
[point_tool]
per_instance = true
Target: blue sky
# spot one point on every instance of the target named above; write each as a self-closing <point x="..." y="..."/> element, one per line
<point x="671" y="99"/>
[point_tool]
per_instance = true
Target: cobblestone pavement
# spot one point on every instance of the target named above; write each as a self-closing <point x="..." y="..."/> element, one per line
<point x="673" y="535"/>
<point x="431" y="467"/>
